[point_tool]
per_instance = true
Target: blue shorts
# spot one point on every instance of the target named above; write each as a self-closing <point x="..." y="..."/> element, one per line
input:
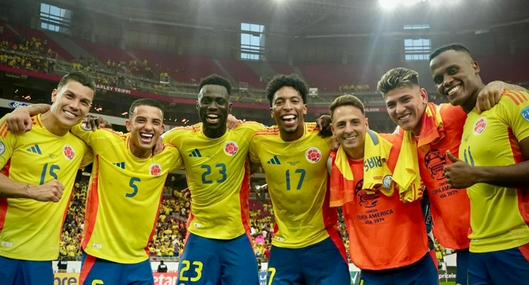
<point x="422" y="272"/>
<point x="95" y="271"/>
<point x="213" y="261"/>
<point x="25" y="272"/>
<point x="500" y="267"/>
<point x="462" y="266"/>
<point x="321" y="264"/>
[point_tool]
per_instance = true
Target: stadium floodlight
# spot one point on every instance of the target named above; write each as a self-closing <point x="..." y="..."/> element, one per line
<point x="410" y="3"/>
<point x="389" y="4"/>
<point x="436" y="3"/>
<point x="444" y="3"/>
<point x="453" y="2"/>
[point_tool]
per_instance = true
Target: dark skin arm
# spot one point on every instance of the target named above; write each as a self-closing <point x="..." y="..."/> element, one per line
<point x="462" y="175"/>
<point x="491" y="94"/>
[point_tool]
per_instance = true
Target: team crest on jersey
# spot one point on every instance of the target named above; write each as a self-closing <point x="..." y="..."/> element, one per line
<point x="69" y="153"/>
<point x="231" y="148"/>
<point x="313" y="155"/>
<point x="480" y="126"/>
<point x="2" y="148"/>
<point x="525" y="113"/>
<point x="156" y="170"/>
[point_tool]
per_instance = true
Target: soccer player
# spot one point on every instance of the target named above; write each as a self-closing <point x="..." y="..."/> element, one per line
<point x="434" y="130"/>
<point x="218" y="248"/>
<point x="125" y="192"/>
<point x="124" y="196"/>
<point x="306" y="247"/>
<point x="495" y="149"/>
<point x="41" y="164"/>
<point x="388" y="238"/>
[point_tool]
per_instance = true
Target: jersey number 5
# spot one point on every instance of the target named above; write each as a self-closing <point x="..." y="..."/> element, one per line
<point x="133" y="184"/>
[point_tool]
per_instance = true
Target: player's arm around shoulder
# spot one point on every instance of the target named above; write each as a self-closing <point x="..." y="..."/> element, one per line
<point x="20" y="120"/>
<point x="96" y="137"/>
<point x="249" y="128"/>
<point x="513" y="110"/>
<point x="174" y="158"/>
<point x="253" y="152"/>
<point x="176" y="135"/>
<point x="492" y="93"/>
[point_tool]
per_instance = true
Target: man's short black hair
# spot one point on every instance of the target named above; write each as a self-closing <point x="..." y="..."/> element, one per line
<point x="78" y="77"/>
<point x="145" y="102"/>
<point x="280" y="81"/>
<point x="452" y="46"/>
<point x="215" y="79"/>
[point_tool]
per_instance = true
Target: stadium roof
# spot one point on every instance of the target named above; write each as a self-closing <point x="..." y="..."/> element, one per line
<point x="312" y="18"/>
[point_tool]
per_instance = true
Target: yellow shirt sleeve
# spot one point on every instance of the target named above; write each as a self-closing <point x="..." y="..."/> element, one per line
<point x="7" y="145"/>
<point x="513" y="110"/>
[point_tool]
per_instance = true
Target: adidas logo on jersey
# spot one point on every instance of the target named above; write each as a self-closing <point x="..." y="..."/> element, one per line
<point x="274" y="160"/>
<point x="120" y="165"/>
<point x="35" y="149"/>
<point x="195" y="153"/>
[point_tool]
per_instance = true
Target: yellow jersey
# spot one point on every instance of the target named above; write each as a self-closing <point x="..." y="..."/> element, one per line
<point x="296" y="174"/>
<point x="124" y="196"/>
<point x="218" y="177"/>
<point x="29" y="229"/>
<point x="499" y="215"/>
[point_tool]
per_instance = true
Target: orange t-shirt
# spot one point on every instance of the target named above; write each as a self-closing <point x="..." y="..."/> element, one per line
<point x="384" y="233"/>
<point x="450" y="208"/>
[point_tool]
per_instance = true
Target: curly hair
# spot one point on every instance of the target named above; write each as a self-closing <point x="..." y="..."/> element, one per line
<point x="280" y="81"/>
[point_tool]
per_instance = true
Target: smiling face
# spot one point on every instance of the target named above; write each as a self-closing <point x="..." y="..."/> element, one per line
<point x="71" y="103"/>
<point x="456" y="76"/>
<point x="349" y="127"/>
<point x="213" y="107"/>
<point x="145" y="127"/>
<point x="289" y="110"/>
<point x="405" y="106"/>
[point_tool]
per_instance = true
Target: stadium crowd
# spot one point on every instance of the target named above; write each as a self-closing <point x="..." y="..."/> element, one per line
<point x="32" y="54"/>
<point x="70" y="246"/>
